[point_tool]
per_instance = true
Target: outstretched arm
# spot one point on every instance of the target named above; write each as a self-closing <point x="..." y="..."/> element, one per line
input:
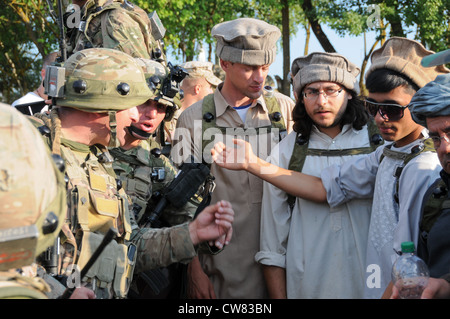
<point x="241" y="157"/>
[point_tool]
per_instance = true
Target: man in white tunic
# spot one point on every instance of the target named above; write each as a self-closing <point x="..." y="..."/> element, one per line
<point x="397" y="176"/>
<point x="397" y="195"/>
<point x="313" y="251"/>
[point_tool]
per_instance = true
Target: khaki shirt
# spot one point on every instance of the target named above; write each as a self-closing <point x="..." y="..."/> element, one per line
<point x="234" y="272"/>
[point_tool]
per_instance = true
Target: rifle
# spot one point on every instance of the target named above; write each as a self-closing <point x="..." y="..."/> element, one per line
<point x="109" y="236"/>
<point x="62" y="36"/>
<point x="187" y="182"/>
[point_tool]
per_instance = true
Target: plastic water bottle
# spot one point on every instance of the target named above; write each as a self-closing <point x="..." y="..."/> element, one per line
<point x="410" y="274"/>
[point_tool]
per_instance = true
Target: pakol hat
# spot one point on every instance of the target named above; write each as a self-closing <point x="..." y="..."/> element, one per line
<point x="247" y="41"/>
<point x="404" y="56"/>
<point x="198" y="69"/>
<point x="320" y="66"/>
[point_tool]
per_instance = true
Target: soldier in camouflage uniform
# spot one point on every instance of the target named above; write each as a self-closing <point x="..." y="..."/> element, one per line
<point x="33" y="204"/>
<point x="139" y="164"/>
<point x="102" y="87"/>
<point x="144" y="173"/>
<point x="114" y="24"/>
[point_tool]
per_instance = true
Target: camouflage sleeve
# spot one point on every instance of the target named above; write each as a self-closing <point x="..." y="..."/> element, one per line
<point x="161" y="247"/>
<point x="125" y="34"/>
<point x="177" y="216"/>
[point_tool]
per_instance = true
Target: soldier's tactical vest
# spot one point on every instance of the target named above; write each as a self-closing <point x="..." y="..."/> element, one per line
<point x="95" y="205"/>
<point x="209" y="121"/>
<point x="16" y="286"/>
<point x="143" y="173"/>
<point x="301" y="150"/>
<point x="92" y="31"/>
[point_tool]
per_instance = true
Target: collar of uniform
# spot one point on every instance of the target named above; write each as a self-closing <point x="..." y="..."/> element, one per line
<point x="222" y="105"/>
<point x="76" y="146"/>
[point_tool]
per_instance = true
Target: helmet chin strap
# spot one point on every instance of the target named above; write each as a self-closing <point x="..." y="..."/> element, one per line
<point x="114" y="141"/>
<point x="138" y="133"/>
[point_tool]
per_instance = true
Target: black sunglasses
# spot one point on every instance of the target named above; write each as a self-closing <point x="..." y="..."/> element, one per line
<point x="388" y="111"/>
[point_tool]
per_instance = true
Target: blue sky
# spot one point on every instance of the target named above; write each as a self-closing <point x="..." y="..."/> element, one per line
<point x="351" y="47"/>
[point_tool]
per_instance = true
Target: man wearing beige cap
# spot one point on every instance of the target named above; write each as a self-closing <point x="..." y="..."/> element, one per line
<point x="396" y="176"/>
<point x="200" y="82"/>
<point x="246" y="48"/>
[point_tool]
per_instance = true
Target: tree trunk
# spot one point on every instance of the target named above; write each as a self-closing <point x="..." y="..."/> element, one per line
<point x="396" y="23"/>
<point x="308" y="36"/>
<point x="362" y="86"/>
<point x="285" y="89"/>
<point x="315" y="26"/>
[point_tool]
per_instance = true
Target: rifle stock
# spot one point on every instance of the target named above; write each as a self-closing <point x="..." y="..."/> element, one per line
<point x="187" y="182"/>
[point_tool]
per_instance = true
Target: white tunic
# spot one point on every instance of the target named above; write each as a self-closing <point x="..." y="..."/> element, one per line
<point x="323" y="249"/>
<point x="391" y="223"/>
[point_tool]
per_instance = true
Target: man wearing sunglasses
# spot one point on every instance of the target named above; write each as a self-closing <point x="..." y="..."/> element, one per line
<point x="397" y="187"/>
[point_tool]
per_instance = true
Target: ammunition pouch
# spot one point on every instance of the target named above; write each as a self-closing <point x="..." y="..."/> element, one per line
<point x="112" y="269"/>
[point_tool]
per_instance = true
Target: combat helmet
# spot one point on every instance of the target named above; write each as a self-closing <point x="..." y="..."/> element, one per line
<point x="32" y="192"/>
<point x="164" y="82"/>
<point x="102" y="80"/>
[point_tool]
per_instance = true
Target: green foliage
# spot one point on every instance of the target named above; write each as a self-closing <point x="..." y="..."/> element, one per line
<point x="26" y="35"/>
<point x="345" y="17"/>
<point x="432" y="21"/>
<point x="189" y="22"/>
<point x="28" y="32"/>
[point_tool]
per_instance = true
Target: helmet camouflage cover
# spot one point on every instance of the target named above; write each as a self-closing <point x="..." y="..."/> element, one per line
<point x="32" y="192"/>
<point x="102" y="80"/>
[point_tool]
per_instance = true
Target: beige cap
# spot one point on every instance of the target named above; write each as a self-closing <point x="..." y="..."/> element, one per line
<point x="404" y="56"/>
<point x="198" y="69"/>
<point x="321" y="66"/>
<point x="247" y="41"/>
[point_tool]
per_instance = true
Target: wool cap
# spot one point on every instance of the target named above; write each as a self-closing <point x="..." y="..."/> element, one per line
<point x="321" y="66"/>
<point x="432" y="100"/>
<point x="246" y="40"/>
<point x="198" y="69"/>
<point x="404" y="56"/>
